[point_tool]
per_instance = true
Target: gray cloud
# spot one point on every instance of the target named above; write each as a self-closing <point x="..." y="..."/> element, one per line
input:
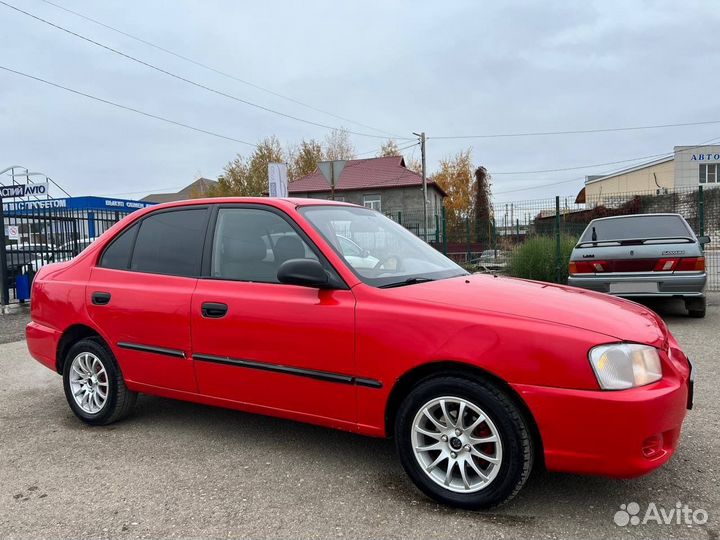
<point x="446" y="68"/>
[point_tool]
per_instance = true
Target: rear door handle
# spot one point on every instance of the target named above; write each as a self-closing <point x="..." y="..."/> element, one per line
<point x="214" y="310"/>
<point x="101" y="298"/>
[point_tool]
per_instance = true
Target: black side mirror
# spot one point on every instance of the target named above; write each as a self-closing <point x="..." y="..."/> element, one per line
<point x="304" y="272"/>
<point x="703" y="240"/>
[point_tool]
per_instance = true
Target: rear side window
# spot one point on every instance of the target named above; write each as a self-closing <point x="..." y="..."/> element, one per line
<point x="636" y="227"/>
<point x="117" y="254"/>
<point x="170" y="243"/>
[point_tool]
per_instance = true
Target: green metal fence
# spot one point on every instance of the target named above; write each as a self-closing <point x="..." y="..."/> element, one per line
<point x="554" y="225"/>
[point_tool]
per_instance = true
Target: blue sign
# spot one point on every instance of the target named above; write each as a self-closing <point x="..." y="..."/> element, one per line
<point x="77" y="203"/>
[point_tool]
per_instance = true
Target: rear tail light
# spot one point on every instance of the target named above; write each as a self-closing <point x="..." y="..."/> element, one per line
<point x="691" y="264"/>
<point x="587" y="267"/>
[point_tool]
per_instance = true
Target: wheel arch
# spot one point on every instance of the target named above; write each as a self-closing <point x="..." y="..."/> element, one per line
<point x="70" y="336"/>
<point x="404" y="385"/>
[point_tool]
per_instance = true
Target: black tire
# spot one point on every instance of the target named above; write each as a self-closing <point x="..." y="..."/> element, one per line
<point x="120" y="400"/>
<point x="517" y="446"/>
<point x="696" y="307"/>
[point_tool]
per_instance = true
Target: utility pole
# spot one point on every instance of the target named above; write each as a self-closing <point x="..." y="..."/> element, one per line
<point x="424" y="182"/>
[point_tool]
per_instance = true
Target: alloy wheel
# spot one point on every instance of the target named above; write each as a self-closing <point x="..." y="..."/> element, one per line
<point x="456" y="444"/>
<point x="88" y="382"/>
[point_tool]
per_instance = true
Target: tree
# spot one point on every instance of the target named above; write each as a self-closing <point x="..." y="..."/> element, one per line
<point x="338" y="145"/>
<point x="248" y="177"/>
<point x="389" y="148"/>
<point x="304" y="159"/>
<point x="483" y="206"/>
<point x="455" y="177"/>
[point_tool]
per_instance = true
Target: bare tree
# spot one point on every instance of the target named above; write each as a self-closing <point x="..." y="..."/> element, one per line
<point x="338" y="145"/>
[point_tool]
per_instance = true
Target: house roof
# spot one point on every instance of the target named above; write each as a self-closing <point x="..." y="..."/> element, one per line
<point x="198" y="188"/>
<point x="592" y="179"/>
<point x="359" y="174"/>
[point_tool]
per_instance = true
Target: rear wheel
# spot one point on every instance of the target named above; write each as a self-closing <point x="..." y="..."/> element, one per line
<point x="696" y="307"/>
<point x="463" y="442"/>
<point x="94" y="386"/>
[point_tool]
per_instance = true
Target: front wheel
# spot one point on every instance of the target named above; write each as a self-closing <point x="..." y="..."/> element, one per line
<point x="463" y="442"/>
<point x="94" y="386"/>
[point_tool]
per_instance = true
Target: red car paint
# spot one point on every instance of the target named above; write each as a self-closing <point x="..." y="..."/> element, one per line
<point x="533" y="337"/>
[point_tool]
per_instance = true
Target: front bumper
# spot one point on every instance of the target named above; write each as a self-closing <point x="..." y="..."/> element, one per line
<point x="623" y="433"/>
<point x="668" y="283"/>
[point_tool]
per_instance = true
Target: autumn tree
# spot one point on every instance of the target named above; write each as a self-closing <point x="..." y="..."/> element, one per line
<point x="389" y="148"/>
<point x="455" y="177"/>
<point x="304" y="159"/>
<point x="338" y="145"/>
<point x="483" y="206"/>
<point x="248" y="177"/>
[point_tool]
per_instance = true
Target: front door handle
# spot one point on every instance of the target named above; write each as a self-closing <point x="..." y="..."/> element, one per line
<point x="214" y="310"/>
<point x="101" y="298"/>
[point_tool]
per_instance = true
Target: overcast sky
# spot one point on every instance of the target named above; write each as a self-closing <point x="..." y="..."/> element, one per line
<point x="448" y="68"/>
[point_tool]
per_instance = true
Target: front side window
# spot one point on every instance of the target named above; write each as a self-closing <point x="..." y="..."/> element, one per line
<point x="381" y="252"/>
<point x="709" y="173"/>
<point x="372" y="202"/>
<point x="251" y="244"/>
<point x="170" y="243"/>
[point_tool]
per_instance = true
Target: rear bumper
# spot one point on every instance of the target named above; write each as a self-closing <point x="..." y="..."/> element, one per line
<point x="42" y="342"/>
<point x="620" y="434"/>
<point x="668" y="284"/>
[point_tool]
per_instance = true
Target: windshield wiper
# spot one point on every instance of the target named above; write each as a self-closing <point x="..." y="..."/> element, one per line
<point x="409" y="281"/>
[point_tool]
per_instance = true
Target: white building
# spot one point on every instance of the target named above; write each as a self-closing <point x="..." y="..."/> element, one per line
<point x="688" y="167"/>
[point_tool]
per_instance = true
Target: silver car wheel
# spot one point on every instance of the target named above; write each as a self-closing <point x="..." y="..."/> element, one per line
<point x="88" y="382"/>
<point x="456" y="444"/>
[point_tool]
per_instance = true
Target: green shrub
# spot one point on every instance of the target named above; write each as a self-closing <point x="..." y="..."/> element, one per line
<point x="535" y="258"/>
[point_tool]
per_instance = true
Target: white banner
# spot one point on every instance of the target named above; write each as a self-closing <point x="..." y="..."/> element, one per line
<point x="24" y="190"/>
<point x="277" y="180"/>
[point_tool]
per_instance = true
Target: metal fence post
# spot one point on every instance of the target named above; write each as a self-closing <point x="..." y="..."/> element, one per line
<point x="4" y="289"/>
<point x="701" y="211"/>
<point x="399" y="217"/>
<point x="437" y="229"/>
<point x="517" y="230"/>
<point x="444" y="231"/>
<point x="467" y="237"/>
<point x="557" y="239"/>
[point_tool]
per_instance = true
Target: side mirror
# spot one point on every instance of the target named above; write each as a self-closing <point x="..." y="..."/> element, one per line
<point x="703" y="240"/>
<point x="304" y="272"/>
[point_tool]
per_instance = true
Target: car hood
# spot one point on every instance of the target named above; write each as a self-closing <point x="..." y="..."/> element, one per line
<point x="615" y="317"/>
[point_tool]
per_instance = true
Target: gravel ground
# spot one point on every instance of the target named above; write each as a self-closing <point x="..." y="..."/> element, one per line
<point x="12" y="325"/>
<point x="180" y="470"/>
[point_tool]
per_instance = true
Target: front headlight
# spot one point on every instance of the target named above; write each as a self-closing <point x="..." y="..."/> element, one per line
<point x="625" y="365"/>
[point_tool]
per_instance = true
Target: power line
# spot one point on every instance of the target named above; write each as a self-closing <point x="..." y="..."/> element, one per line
<point x="214" y="70"/>
<point x="574" y="132"/>
<point x="127" y="108"/>
<point x="184" y="79"/>
<point x="584" y="166"/>
<point x="606" y="173"/>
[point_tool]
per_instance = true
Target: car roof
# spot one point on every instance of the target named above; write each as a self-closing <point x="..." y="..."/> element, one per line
<point x="636" y="215"/>
<point x="285" y="203"/>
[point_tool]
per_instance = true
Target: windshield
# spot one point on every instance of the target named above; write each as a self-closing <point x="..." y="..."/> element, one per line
<point x="380" y="252"/>
<point x="636" y="227"/>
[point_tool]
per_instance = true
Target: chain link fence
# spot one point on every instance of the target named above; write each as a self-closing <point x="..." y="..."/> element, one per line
<point x="554" y="225"/>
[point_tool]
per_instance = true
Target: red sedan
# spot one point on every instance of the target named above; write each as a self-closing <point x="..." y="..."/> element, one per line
<point x="260" y="305"/>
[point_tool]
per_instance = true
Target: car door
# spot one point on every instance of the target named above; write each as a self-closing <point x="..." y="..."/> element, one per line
<point x="140" y="292"/>
<point x="276" y="346"/>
